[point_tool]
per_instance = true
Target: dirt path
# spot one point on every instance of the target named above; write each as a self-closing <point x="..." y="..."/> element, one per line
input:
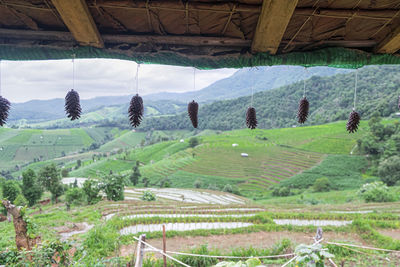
<point x="226" y="243"/>
<point x="393" y="233"/>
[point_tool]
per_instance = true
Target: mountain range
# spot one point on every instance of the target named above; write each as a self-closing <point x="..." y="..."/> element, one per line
<point x="241" y="83"/>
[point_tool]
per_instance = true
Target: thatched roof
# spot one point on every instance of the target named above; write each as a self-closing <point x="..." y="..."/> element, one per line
<point x="204" y="33"/>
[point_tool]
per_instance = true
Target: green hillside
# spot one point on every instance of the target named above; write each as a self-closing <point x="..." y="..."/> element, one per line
<point x="274" y="156"/>
<point x="21" y="147"/>
<point x="331" y="99"/>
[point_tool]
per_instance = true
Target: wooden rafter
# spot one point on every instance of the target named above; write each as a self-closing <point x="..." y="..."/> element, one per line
<point x="79" y="21"/>
<point x="274" y="18"/>
<point x="391" y="44"/>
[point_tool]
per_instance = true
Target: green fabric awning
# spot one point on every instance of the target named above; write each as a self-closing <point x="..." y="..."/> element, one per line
<point x="332" y="57"/>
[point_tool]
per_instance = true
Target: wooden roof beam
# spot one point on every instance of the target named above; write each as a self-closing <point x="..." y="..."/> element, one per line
<point x="79" y="21"/>
<point x="272" y="22"/>
<point x="391" y="44"/>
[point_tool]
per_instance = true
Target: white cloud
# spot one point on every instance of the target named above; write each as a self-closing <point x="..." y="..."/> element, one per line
<point x="27" y="80"/>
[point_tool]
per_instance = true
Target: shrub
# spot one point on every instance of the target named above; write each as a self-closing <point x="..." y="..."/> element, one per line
<point x="281" y="191"/>
<point x="165" y="183"/>
<point x="11" y="190"/>
<point x="194" y="141"/>
<point x="322" y="185"/>
<point x="197" y="184"/>
<point x="389" y="170"/>
<point x="50" y="179"/>
<point x="75" y="196"/>
<point x="114" y="187"/>
<point x="64" y="173"/>
<point x="375" y="192"/>
<point x="148" y="196"/>
<point x="20" y="200"/>
<point x="91" y="188"/>
<point x="227" y="188"/>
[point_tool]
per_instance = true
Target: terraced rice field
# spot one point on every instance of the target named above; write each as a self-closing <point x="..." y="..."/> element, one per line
<point x="264" y="165"/>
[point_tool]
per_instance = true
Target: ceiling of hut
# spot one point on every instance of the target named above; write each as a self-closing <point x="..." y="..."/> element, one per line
<point x="202" y="28"/>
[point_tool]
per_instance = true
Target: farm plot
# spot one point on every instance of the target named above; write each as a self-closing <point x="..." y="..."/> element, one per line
<point x="187" y="196"/>
<point x="264" y="165"/>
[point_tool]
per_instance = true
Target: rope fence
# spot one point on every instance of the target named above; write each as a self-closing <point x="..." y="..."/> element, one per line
<point x="318" y="239"/>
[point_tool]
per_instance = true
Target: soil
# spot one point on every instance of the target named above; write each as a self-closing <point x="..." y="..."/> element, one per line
<point x="226" y="243"/>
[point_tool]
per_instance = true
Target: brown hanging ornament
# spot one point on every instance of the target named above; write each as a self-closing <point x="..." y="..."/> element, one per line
<point x="302" y="113"/>
<point x="4" y="110"/>
<point x="72" y="105"/>
<point x="135" y="111"/>
<point x="353" y="122"/>
<point x="251" y="119"/>
<point x="193" y="109"/>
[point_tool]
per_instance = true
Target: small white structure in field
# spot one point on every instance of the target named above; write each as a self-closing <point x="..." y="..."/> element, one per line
<point x="181" y="140"/>
<point x="235" y="145"/>
<point x="245" y="155"/>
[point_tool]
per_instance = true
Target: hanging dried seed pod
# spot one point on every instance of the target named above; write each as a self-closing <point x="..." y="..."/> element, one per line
<point x="193" y="109"/>
<point x="136" y="110"/>
<point x="302" y="113"/>
<point x="354" y="121"/>
<point x="251" y="119"/>
<point x="72" y="105"/>
<point x="4" y="110"/>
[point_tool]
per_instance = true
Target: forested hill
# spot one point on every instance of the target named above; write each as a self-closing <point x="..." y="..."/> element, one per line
<point x="244" y="80"/>
<point x="331" y="99"/>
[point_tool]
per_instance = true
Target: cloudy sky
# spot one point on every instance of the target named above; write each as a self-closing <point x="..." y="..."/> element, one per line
<point x="26" y="80"/>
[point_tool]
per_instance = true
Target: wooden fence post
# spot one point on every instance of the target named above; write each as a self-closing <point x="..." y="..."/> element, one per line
<point x="140" y="251"/>
<point x="164" y="246"/>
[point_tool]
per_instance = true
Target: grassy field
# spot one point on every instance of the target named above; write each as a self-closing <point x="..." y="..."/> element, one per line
<point x="292" y="155"/>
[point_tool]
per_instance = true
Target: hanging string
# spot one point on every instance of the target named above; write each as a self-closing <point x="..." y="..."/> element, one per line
<point x="194" y="79"/>
<point x="304" y="82"/>
<point x="137" y="78"/>
<point x="73" y="71"/>
<point x="355" y="90"/>
<point x="252" y="93"/>
<point x="0" y="76"/>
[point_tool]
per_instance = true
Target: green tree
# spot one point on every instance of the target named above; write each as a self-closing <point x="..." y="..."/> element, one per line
<point x="20" y="201"/>
<point x="114" y="187"/>
<point x="135" y="176"/>
<point x="11" y="190"/>
<point x="91" y="188"/>
<point x="322" y="185"/>
<point x="74" y="196"/>
<point x="194" y="141"/>
<point x="50" y="179"/>
<point x="64" y="172"/>
<point x="31" y="188"/>
<point x="389" y="170"/>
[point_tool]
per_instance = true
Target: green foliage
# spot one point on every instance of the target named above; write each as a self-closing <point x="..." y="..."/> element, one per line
<point x="193" y="142"/>
<point x="31" y="188"/>
<point x="311" y="255"/>
<point x="342" y="171"/>
<point x="64" y="173"/>
<point x="376" y="192"/>
<point x="11" y="190"/>
<point x="198" y="261"/>
<point x="100" y="242"/>
<point x="389" y="170"/>
<point x="91" y="188"/>
<point x="50" y="179"/>
<point x="281" y="191"/>
<point x="322" y="185"/>
<point x="48" y="254"/>
<point x="75" y="196"/>
<point x="114" y="187"/>
<point x="148" y="196"/>
<point x="331" y="100"/>
<point x="135" y="176"/>
<point x="20" y="200"/>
